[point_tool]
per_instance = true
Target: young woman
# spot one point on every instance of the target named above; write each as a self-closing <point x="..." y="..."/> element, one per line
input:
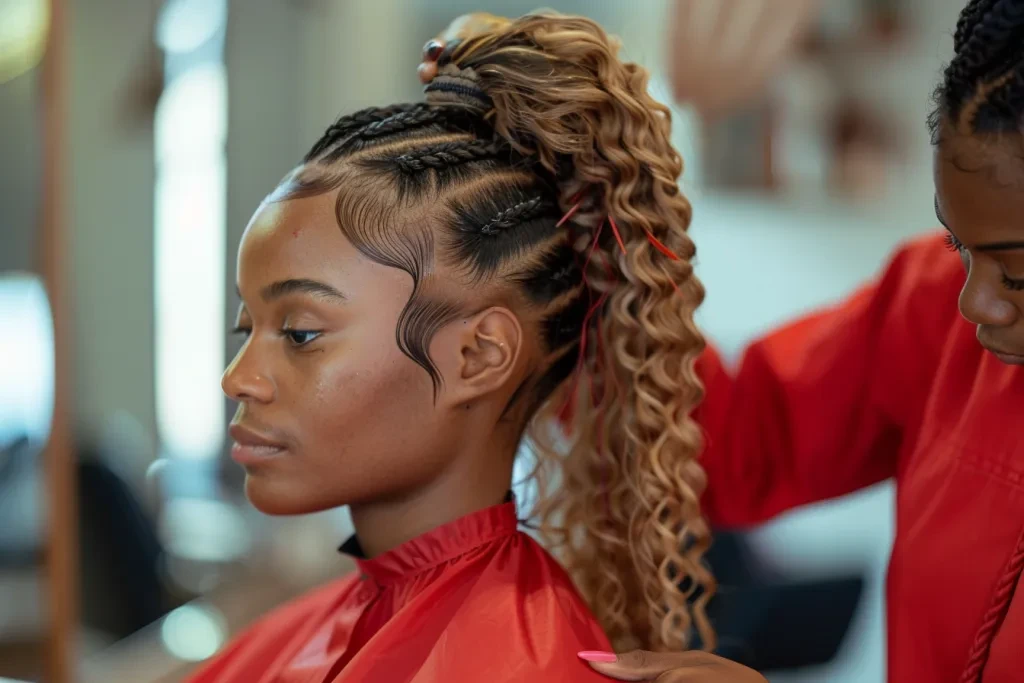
<point x="430" y="282"/>
<point x="894" y="383"/>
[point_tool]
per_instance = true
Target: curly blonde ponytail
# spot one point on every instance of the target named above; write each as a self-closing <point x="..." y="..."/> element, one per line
<point x="621" y="507"/>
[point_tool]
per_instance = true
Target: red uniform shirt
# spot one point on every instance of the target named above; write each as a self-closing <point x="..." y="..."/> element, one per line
<point x="474" y="600"/>
<point x="892" y="383"/>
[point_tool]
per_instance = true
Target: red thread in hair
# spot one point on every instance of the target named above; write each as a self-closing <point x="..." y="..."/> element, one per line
<point x="569" y="214"/>
<point x="570" y="399"/>
<point x="615" y="231"/>
<point x="660" y="246"/>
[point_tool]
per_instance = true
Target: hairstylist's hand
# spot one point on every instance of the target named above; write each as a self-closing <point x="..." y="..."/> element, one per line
<point x="466" y="26"/>
<point x="672" y="667"/>
<point x="723" y="53"/>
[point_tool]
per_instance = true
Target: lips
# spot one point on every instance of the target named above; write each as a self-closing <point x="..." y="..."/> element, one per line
<point x="252" y="447"/>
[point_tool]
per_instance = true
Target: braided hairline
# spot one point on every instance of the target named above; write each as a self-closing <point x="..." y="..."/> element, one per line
<point x="988" y="42"/>
<point x="375" y="123"/>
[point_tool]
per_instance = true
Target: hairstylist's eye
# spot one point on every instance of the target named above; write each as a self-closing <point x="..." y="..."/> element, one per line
<point x="300" y="337"/>
<point x="1015" y="285"/>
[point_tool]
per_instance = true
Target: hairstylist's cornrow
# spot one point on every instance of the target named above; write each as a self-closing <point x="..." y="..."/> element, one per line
<point x="982" y="89"/>
<point x="542" y="169"/>
<point x="968" y="20"/>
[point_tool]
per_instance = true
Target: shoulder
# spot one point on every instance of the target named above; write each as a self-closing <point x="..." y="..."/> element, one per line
<point x="525" y="601"/>
<point x="542" y="583"/>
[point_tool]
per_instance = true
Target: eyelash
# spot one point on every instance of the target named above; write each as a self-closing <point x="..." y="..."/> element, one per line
<point x="287" y="334"/>
<point x="1015" y="285"/>
<point x="953" y="244"/>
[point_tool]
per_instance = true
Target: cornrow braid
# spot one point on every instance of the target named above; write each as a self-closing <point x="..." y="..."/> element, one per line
<point x="514" y="215"/>
<point x="446" y="154"/>
<point x="402" y="121"/>
<point x="347" y="125"/>
<point x="1004" y="103"/>
<point x="980" y="90"/>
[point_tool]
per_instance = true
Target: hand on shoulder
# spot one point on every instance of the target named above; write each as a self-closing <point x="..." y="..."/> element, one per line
<point x="671" y="667"/>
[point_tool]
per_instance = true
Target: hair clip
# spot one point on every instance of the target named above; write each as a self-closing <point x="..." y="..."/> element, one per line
<point x="432" y="50"/>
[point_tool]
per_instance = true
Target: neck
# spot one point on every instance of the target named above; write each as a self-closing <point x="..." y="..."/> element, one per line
<point x="470" y="484"/>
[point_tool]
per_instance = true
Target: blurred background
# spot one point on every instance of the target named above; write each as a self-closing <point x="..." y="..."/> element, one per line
<point x="136" y="139"/>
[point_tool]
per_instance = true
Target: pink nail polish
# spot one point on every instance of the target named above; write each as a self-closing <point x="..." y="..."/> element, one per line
<point x="603" y="657"/>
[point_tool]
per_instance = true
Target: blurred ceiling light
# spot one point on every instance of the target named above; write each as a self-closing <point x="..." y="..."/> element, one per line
<point x="193" y="632"/>
<point x="24" y="25"/>
<point x="185" y="25"/>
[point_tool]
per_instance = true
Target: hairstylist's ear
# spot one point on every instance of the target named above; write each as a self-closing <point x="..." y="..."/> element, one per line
<point x="489" y="346"/>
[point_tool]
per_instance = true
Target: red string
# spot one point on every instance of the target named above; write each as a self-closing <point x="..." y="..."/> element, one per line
<point x="660" y="247"/>
<point x="570" y="212"/>
<point x="618" y="237"/>
<point x="570" y="399"/>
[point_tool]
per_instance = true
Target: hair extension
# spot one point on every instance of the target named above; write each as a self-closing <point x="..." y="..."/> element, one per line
<point x="529" y="123"/>
<point x="982" y="88"/>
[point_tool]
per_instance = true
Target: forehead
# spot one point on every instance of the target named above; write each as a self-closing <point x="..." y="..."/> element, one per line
<point x="297" y="237"/>
<point x="979" y="186"/>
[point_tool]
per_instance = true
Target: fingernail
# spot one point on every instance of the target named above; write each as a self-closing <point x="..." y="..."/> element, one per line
<point x="604" y="657"/>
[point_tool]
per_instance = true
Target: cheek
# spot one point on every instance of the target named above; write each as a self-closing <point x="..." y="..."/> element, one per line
<point x="367" y="397"/>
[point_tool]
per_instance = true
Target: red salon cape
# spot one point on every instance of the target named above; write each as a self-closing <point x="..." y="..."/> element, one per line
<point x="474" y="600"/>
<point x="892" y="383"/>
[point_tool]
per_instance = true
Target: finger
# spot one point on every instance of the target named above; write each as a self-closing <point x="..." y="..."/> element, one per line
<point x="427" y="72"/>
<point x="640" y="665"/>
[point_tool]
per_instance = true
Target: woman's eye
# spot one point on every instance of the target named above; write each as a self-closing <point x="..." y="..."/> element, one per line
<point x="244" y="332"/>
<point x="300" y="337"/>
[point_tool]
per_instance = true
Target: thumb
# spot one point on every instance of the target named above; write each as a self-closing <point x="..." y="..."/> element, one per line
<point x="638" y="665"/>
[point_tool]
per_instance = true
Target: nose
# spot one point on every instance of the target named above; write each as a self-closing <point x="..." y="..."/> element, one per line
<point x="982" y="301"/>
<point x="244" y="381"/>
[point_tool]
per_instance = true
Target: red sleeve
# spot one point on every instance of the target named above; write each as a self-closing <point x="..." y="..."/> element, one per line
<point x="820" y="407"/>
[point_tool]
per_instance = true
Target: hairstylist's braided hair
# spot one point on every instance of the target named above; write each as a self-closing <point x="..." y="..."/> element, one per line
<point x="982" y="89"/>
<point x="531" y="123"/>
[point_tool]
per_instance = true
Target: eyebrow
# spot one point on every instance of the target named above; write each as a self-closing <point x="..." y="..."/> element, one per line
<point x="991" y="246"/>
<point x="314" y="288"/>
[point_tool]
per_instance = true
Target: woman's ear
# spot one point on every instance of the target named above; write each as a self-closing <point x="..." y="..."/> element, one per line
<point x="480" y="356"/>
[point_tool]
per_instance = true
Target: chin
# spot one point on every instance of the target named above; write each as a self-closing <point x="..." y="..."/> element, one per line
<point x="1007" y="357"/>
<point x="273" y="498"/>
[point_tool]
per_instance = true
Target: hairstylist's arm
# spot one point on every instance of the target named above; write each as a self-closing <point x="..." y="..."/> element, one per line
<point x="673" y="667"/>
<point x="818" y="408"/>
